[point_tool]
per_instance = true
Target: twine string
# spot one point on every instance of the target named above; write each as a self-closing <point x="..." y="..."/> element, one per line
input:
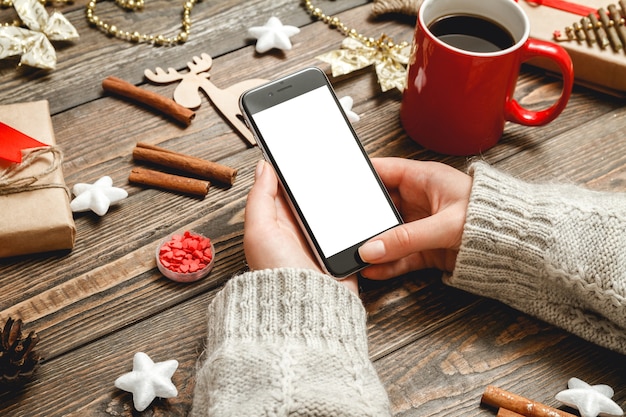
<point x="11" y="183"/>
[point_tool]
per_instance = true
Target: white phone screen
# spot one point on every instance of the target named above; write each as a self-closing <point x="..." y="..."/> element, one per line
<point x="324" y="168"/>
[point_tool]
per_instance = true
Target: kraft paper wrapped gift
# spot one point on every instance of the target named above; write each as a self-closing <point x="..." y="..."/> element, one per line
<point x="37" y="220"/>
<point x="594" y="67"/>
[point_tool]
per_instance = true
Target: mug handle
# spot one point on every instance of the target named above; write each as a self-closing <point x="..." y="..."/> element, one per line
<point x="537" y="48"/>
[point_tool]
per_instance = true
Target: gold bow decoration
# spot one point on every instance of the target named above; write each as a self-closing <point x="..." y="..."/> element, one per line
<point x="389" y="59"/>
<point x="33" y="41"/>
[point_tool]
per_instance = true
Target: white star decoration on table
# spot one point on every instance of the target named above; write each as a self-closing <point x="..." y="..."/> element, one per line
<point x="148" y="380"/>
<point x="589" y="400"/>
<point x="96" y="197"/>
<point x="273" y="35"/>
<point x="346" y="104"/>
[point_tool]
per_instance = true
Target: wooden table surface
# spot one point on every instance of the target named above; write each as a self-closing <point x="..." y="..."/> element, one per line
<point x="435" y="348"/>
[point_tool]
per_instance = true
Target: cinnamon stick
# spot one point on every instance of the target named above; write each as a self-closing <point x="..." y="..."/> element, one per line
<point x="603" y="38"/>
<point x="149" y="98"/>
<point x="610" y="30"/>
<point x="580" y="33"/>
<point x="499" y="398"/>
<point x="588" y="28"/>
<point x="617" y="19"/>
<point x="169" y="182"/>
<point x="503" y="412"/>
<point x="185" y="163"/>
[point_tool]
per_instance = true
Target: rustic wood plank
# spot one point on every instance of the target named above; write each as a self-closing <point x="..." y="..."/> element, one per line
<point x="445" y="373"/>
<point x="409" y="308"/>
<point x="594" y="155"/>
<point x="217" y="28"/>
<point x="435" y="348"/>
<point x="166" y="336"/>
<point x="98" y="238"/>
<point x="109" y="259"/>
<point x="90" y="371"/>
<point x="77" y="306"/>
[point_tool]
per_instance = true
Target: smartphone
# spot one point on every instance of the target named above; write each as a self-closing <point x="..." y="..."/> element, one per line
<point x="326" y="175"/>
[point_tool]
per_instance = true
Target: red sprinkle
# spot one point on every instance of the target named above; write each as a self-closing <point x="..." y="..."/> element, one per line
<point x="186" y="253"/>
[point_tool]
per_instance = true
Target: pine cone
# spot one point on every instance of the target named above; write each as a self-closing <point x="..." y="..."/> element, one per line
<point x="18" y="361"/>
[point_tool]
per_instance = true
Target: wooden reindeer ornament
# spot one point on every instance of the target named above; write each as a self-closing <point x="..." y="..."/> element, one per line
<point x="187" y="92"/>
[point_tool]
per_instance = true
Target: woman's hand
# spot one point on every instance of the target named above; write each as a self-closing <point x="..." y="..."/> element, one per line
<point x="272" y="236"/>
<point x="432" y="199"/>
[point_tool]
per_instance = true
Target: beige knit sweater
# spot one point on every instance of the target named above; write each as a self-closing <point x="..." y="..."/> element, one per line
<point x="287" y="342"/>
<point x="292" y="342"/>
<point x="556" y="252"/>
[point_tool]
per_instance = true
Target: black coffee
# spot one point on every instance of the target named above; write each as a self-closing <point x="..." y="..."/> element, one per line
<point x="471" y="33"/>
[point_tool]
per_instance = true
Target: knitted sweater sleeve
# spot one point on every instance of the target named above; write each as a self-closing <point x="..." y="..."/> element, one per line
<point x="557" y="252"/>
<point x="287" y="342"/>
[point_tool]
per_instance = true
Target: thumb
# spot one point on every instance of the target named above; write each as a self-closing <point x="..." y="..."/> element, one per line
<point x="261" y="198"/>
<point x="420" y="235"/>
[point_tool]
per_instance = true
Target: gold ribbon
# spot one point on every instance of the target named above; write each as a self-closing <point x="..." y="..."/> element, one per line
<point x="389" y="60"/>
<point x="33" y="42"/>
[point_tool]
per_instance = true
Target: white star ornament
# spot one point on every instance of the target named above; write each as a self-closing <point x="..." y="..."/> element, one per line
<point x="346" y="103"/>
<point x="148" y="380"/>
<point x="96" y="197"/>
<point x="589" y="400"/>
<point x="273" y="35"/>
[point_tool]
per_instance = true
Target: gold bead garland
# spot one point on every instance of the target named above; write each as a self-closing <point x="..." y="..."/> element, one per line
<point x="136" y="37"/>
<point x="384" y="42"/>
<point x="15" y="22"/>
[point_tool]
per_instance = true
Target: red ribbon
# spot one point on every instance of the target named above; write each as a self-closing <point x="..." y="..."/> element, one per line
<point x="12" y="142"/>
<point x="566" y="6"/>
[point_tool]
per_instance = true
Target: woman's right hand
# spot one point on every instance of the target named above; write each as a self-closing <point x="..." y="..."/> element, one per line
<point x="432" y="198"/>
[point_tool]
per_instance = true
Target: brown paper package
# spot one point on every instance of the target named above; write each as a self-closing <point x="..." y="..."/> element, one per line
<point x="600" y="69"/>
<point x="39" y="220"/>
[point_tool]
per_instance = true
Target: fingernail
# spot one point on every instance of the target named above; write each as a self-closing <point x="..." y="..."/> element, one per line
<point x="372" y="251"/>
<point x="259" y="169"/>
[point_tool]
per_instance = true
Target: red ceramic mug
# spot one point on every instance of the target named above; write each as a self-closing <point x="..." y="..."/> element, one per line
<point x="464" y="66"/>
